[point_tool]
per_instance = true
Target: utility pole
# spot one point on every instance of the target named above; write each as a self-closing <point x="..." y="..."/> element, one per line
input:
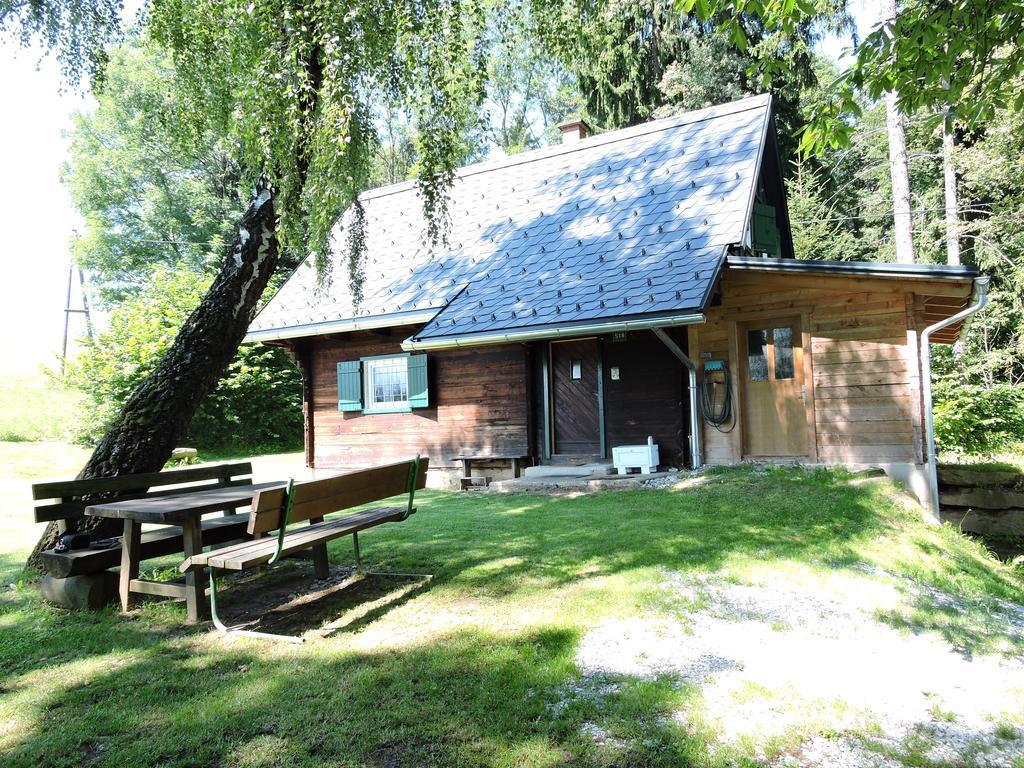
<point x="68" y="311"/>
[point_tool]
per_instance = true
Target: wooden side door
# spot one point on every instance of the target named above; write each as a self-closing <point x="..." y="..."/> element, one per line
<point x="774" y="392"/>
<point x="575" y="418"/>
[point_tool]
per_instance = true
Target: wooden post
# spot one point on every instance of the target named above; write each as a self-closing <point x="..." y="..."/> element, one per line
<point x="912" y="358"/>
<point x="304" y="356"/>
<point x="130" y="546"/>
<point x="321" y="566"/>
<point x="195" y="594"/>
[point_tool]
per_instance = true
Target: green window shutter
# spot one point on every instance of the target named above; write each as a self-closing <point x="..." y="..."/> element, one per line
<point x="350" y="386"/>
<point x="419" y="396"/>
<point x="765" y="234"/>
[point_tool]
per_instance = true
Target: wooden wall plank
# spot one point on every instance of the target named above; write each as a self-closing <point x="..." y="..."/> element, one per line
<point x="862" y="371"/>
<point x="478" y="396"/>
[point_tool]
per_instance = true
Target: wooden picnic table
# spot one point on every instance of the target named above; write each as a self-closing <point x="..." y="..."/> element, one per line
<point x="185" y="510"/>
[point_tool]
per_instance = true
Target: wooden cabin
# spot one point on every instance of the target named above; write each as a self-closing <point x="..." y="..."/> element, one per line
<point x="592" y="294"/>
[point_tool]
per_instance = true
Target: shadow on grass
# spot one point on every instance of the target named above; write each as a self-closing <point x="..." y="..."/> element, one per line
<point x="470" y="697"/>
<point x="467" y="699"/>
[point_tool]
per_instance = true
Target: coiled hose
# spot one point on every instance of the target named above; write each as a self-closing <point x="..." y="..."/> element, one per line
<point x="720" y="415"/>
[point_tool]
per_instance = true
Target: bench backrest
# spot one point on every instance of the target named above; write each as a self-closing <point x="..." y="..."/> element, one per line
<point x="67" y="499"/>
<point x="317" y="498"/>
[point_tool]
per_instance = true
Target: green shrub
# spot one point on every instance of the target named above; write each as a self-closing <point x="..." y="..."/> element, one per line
<point x="258" y="402"/>
<point x="973" y="419"/>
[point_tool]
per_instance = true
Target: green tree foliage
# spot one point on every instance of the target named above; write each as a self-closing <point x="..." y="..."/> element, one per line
<point x="965" y="54"/>
<point x="820" y="229"/>
<point x="258" y="403"/>
<point x="637" y="60"/>
<point x="149" y="195"/>
<point x="295" y="86"/>
<point x="973" y="419"/>
<point x="156" y="203"/>
<point x="76" y="30"/>
<point x="528" y="91"/>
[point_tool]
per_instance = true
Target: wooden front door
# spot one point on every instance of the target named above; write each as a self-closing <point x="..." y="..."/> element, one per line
<point x="774" y="393"/>
<point x="575" y="418"/>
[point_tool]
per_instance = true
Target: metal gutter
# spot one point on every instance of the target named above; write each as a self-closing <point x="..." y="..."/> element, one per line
<point x="694" y="418"/>
<point x="981" y="288"/>
<point x="864" y="268"/>
<point x="343" y="326"/>
<point x="537" y="334"/>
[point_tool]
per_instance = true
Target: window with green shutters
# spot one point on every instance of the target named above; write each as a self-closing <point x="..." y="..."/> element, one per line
<point x="384" y="384"/>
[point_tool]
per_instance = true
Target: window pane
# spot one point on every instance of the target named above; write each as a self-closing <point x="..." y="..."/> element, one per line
<point x="387" y="381"/>
<point x="783" y="339"/>
<point x="757" y="355"/>
<point x="577" y="369"/>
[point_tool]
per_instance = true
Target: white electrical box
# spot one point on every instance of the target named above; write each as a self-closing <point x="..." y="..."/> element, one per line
<point x="642" y="457"/>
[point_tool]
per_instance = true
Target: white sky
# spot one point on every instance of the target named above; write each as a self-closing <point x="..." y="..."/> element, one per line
<point x="36" y="216"/>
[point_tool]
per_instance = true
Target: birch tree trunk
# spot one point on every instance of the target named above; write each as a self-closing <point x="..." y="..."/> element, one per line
<point x="899" y="170"/>
<point x="158" y="412"/>
<point x="949" y="177"/>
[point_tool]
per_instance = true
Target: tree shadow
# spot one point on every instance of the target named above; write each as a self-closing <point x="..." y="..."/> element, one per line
<point x="469" y="698"/>
<point x="184" y="696"/>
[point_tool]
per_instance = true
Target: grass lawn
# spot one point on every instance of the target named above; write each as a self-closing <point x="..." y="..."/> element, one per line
<point x="33" y="408"/>
<point x="481" y="665"/>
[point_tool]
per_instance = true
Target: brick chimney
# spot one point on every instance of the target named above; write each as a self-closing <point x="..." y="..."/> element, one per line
<point x="574" y="130"/>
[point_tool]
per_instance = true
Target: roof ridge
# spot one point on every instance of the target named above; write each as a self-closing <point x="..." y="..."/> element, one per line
<point x="746" y="104"/>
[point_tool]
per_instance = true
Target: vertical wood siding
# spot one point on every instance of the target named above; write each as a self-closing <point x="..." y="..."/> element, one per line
<point x="866" y="383"/>
<point x="649" y="398"/>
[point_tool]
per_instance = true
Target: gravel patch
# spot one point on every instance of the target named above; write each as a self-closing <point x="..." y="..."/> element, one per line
<point x="777" y="659"/>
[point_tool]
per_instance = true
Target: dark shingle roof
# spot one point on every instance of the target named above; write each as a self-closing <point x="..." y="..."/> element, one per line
<point x="625" y="224"/>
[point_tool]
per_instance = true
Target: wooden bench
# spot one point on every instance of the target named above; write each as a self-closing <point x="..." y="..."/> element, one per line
<point x="273" y="510"/>
<point x="65" y="502"/>
<point x="467" y="465"/>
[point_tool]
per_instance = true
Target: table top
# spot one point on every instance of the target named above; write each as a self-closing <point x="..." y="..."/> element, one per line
<point x="177" y="507"/>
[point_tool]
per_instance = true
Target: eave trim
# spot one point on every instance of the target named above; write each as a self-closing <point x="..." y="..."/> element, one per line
<point x="343" y="326"/>
<point x="558" y="332"/>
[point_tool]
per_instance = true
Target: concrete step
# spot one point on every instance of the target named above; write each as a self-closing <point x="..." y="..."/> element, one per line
<point x="566" y="470"/>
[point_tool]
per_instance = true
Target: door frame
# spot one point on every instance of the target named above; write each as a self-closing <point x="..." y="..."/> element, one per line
<point x="738" y="333"/>
<point x="549" y="396"/>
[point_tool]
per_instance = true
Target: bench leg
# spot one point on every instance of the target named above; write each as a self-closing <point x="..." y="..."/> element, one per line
<point x="244" y="632"/>
<point x="321" y="567"/>
<point x="195" y="600"/>
<point x="130" y="546"/>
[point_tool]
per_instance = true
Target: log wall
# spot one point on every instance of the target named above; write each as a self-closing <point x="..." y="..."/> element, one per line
<point x="862" y="375"/>
<point x="478" y="405"/>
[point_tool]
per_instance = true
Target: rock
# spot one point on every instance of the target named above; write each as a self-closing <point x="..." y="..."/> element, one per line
<point x="1002" y="522"/>
<point x="88" y="592"/>
<point x="183" y="454"/>
<point x="950" y="474"/>
<point x="982" y="498"/>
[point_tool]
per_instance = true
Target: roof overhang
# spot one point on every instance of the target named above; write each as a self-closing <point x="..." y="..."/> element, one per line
<point x="568" y="331"/>
<point x="862" y="268"/>
<point x="942" y="290"/>
<point x="342" y="326"/>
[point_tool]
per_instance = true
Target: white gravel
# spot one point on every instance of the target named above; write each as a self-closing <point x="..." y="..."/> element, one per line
<point x="780" y="659"/>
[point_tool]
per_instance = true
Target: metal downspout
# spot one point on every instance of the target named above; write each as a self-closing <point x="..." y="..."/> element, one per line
<point x="694" y="418"/>
<point x="981" y="286"/>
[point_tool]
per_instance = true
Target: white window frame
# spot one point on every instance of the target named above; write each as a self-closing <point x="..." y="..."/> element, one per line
<point x="399" y="364"/>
